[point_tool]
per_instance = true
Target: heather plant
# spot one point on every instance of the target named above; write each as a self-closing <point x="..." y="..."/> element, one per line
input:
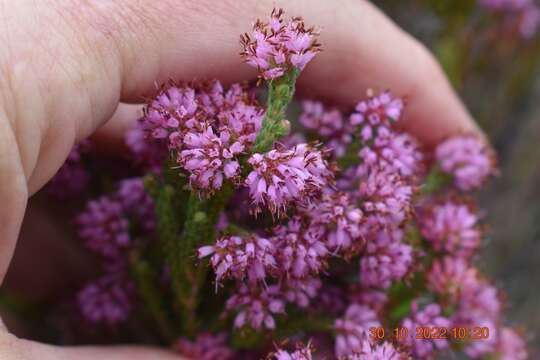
<point x="246" y="231"/>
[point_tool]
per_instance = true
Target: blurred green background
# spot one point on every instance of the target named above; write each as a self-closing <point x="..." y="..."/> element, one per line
<point x="497" y="74"/>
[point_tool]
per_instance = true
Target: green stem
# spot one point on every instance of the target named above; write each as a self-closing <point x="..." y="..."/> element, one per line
<point x="199" y="229"/>
<point x="280" y="94"/>
<point x="168" y="228"/>
<point x="147" y="279"/>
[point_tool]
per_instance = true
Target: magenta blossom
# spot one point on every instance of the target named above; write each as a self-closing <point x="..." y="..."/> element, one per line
<point x="278" y="46"/>
<point x="340" y="220"/>
<point x="396" y="151"/>
<point x="281" y="177"/>
<point x="237" y="257"/>
<point x="430" y="316"/>
<point x="468" y="159"/>
<point x="256" y="306"/>
<point x="369" y="351"/>
<point x="301" y="353"/>
<point x="385" y="260"/>
<point x="104" y="226"/>
<point x="386" y="197"/>
<point x="510" y="345"/>
<point x="205" y="347"/>
<point x="451" y="227"/>
<point x="136" y="202"/>
<point x="300" y="248"/>
<point x="107" y="299"/>
<point x="376" y="112"/>
<point x="353" y="328"/>
<point x="452" y="277"/>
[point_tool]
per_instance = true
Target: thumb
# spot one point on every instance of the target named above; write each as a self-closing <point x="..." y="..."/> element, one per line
<point x="18" y="349"/>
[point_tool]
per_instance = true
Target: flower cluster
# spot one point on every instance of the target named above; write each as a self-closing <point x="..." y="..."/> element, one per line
<point x="451" y="227"/>
<point x="104" y="224"/>
<point x="206" y="129"/>
<point x="205" y="347"/>
<point x="318" y="237"/>
<point x="108" y="299"/>
<point x="235" y="257"/>
<point x="386" y="259"/>
<point x="107" y="228"/>
<point x="256" y="306"/>
<point x="281" y="177"/>
<point x="467" y="159"/>
<point x="341" y="222"/>
<point x="278" y="46"/>
<point x="301" y="353"/>
<point x="429" y="317"/>
<point x="384" y="351"/>
<point x="353" y="329"/>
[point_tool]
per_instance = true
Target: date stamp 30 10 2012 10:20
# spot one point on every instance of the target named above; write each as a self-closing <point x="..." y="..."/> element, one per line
<point x="431" y="333"/>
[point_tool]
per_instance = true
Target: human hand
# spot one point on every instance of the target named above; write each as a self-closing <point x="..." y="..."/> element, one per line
<point x="66" y="65"/>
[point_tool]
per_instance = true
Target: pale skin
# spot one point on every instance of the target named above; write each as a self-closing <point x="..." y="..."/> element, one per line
<point x="68" y="68"/>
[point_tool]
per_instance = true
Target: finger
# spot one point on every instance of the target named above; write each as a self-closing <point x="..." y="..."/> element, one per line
<point x="19" y="349"/>
<point x="362" y="49"/>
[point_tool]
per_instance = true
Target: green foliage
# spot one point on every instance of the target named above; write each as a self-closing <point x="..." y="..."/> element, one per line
<point x="280" y="94"/>
<point x="147" y="281"/>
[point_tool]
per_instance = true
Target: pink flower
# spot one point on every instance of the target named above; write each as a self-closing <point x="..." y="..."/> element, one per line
<point x="173" y="108"/>
<point x="468" y="159"/>
<point x="205" y="347"/>
<point x="236" y="257"/>
<point x="478" y="349"/>
<point x="277" y="46"/>
<point x="451" y="227"/>
<point x="396" y="151"/>
<point x="529" y="21"/>
<point x="105" y="223"/>
<point x="256" y="306"/>
<point x="300" y="249"/>
<point x="376" y="112"/>
<point x="104" y="226"/>
<point x="329" y="124"/>
<point x="339" y="219"/>
<point x="209" y="159"/>
<point x="205" y="128"/>
<point x="353" y="328"/>
<point x="375" y="299"/>
<point x="510" y="345"/>
<point x="430" y="316"/>
<point x="136" y="202"/>
<point x="475" y="302"/>
<point x="384" y="351"/>
<point x="385" y="260"/>
<point x="147" y="151"/>
<point x="451" y="277"/>
<point x="301" y="353"/>
<point x="281" y="177"/>
<point x="107" y="300"/>
<point x="386" y="197"/>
